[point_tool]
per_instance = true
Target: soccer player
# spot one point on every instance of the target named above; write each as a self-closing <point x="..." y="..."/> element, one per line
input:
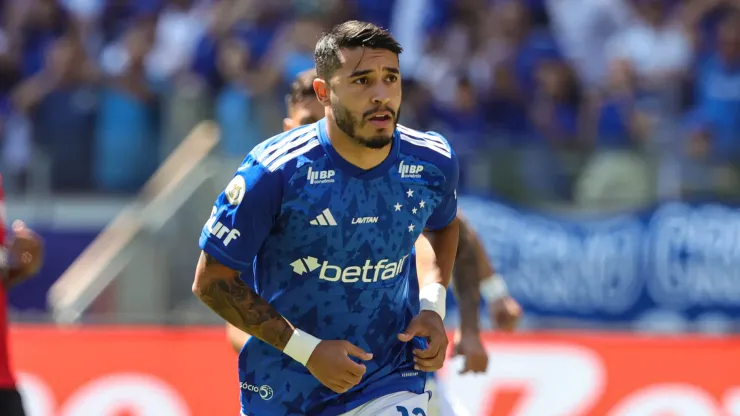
<point x="20" y="260"/>
<point x="473" y="272"/>
<point x="326" y="217"/>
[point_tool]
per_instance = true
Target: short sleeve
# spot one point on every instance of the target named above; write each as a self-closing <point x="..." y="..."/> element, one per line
<point x="446" y="211"/>
<point x="243" y="216"/>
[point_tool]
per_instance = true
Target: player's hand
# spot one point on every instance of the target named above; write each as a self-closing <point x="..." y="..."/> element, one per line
<point x="427" y="324"/>
<point x="331" y="365"/>
<point x="471" y="348"/>
<point x="506" y="313"/>
<point x="26" y="249"/>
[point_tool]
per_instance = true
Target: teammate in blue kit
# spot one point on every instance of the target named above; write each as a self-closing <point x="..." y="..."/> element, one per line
<point x="325" y="216"/>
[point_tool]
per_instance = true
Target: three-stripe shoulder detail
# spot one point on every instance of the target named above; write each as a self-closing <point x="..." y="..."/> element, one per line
<point x="429" y="141"/>
<point x="287" y="157"/>
<point x="289" y="147"/>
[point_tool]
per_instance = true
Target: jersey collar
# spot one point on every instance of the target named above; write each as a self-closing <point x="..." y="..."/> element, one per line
<point x="348" y="168"/>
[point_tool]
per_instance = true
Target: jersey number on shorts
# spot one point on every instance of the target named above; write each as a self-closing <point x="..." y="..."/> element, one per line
<point x="405" y="412"/>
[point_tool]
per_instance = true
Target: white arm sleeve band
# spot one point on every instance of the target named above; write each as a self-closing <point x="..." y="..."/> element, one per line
<point x="433" y="297"/>
<point x="300" y="346"/>
<point x="493" y="289"/>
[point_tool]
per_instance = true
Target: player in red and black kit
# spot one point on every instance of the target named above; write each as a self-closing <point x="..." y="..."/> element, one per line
<point x="21" y="256"/>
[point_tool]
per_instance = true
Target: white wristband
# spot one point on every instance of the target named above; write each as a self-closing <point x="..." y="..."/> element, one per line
<point x="493" y="289"/>
<point x="433" y="297"/>
<point x="300" y="346"/>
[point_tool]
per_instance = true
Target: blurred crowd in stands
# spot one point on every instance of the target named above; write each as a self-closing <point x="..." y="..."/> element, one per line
<point x="597" y="103"/>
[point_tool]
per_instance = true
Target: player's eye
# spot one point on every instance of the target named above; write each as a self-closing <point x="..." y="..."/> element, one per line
<point x="392" y="78"/>
<point x="360" y="81"/>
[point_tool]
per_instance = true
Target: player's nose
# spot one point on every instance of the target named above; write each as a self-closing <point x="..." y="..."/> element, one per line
<point x="381" y="98"/>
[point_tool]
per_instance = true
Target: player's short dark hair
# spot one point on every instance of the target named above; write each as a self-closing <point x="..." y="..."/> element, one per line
<point x="351" y="34"/>
<point x="302" y="87"/>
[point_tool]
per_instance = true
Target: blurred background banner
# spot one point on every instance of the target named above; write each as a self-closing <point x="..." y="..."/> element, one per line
<point x="599" y="374"/>
<point x="157" y="371"/>
<point x="126" y="371"/>
<point x="673" y="266"/>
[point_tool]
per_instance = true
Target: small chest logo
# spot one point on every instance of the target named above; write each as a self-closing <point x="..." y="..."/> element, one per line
<point x="365" y="220"/>
<point x="324" y="219"/>
<point x="266" y="392"/>
<point x="320" y="176"/>
<point x="410" y="171"/>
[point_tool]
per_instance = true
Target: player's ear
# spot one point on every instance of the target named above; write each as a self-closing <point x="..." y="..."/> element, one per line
<point x="288" y="124"/>
<point x="322" y="91"/>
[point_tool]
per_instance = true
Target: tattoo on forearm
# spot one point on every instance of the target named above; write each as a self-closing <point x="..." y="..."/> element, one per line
<point x="244" y="308"/>
<point x="466" y="282"/>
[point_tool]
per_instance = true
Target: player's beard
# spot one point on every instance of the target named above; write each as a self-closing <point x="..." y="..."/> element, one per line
<point x="348" y="123"/>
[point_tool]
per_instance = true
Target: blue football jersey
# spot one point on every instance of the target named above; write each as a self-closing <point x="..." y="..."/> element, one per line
<point x="330" y="246"/>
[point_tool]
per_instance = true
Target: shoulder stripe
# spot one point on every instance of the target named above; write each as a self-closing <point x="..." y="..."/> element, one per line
<point x="433" y="145"/>
<point x="429" y="138"/>
<point x="279" y="143"/>
<point x="419" y="135"/>
<point x="292" y="155"/>
<point x="429" y="145"/>
<point x="289" y="146"/>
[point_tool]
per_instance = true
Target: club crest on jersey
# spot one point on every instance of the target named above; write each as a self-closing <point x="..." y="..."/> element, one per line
<point x="235" y="190"/>
<point x="320" y="176"/>
<point x="410" y="171"/>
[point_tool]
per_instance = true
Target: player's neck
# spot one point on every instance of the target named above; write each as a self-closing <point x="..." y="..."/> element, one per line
<point x="353" y="152"/>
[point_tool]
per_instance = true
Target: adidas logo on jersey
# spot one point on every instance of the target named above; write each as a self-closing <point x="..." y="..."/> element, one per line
<point x="410" y="171"/>
<point x="321" y="176"/>
<point x="324" y="219"/>
<point x="367" y="273"/>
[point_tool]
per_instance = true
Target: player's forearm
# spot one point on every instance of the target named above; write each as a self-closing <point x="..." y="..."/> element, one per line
<point x="466" y="282"/>
<point x="227" y="295"/>
<point x="444" y="243"/>
<point x="246" y="310"/>
<point x="492" y="286"/>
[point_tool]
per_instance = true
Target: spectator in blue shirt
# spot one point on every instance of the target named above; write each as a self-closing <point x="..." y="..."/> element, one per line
<point x="718" y="94"/>
<point x="555" y="114"/>
<point x="235" y="110"/>
<point x="614" y="120"/>
<point x="126" y="128"/>
<point x="62" y="104"/>
<point x="41" y="25"/>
